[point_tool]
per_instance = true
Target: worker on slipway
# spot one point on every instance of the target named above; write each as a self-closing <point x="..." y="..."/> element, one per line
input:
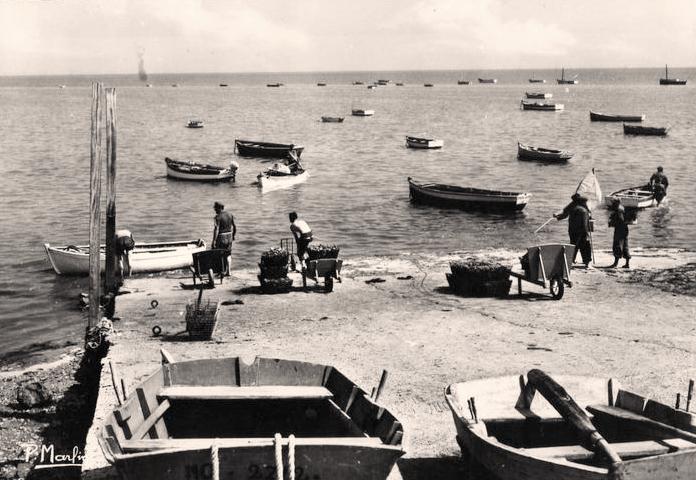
<point x="302" y="233"/>
<point x="578" y="215"/>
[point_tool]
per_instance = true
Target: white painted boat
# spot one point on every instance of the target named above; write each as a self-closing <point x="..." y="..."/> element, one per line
<point x="272" y="180"/>
<point x="199" y="172"/>
<point x="357" y="112"/>
<point x="633" y="197"/>
<point x="424" y="143"/>
<point x="145" y="257"/>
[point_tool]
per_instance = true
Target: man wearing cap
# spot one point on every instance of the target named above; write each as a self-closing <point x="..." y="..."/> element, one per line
<point x="659" y="184"/>
<point x="224" y="232"/>
<point x="617" y="219"/>
<point x="578" y="215"/>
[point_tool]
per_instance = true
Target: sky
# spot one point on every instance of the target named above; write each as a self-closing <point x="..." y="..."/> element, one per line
<point x="47" y="37"/>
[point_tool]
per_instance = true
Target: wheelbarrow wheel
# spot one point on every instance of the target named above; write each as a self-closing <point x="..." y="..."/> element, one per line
<point x="557" y="288"/>
<point x="328" y="283"/>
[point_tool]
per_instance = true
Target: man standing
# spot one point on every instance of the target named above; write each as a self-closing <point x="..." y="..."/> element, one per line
<point x="302" y="233"/>
<point x="224" y="232"/>
<point x="659" y="184"/>
<point x="617" y="219"/>
<point x="578" y="226"/>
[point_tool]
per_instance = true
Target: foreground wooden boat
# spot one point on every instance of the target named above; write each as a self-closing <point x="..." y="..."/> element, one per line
<point x="528" y="152"/>
<point x="550" y="107"/>
<point x="199" y="172"/>
<point x="224" y="418"/>
<point x="601" y="432"/>
<point x="671" y="81"/>
<point x="145" y="257"/>
<point x="633" y="197"/>
<point x="251" y="148"/>
<point x="466" y="198"/>
<point x="332" y="119"/>
<point x="273" y="180"/>
<point x="640" y="130"/>
<point x="358" y="112"/>
<point x="424" y="143"/>
<point x="540" y="95"/>
<point x="605" y="117"/>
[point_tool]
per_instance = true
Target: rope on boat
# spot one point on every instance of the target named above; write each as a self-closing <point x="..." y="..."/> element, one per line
<point x="291" y="457"/>
<point x="278" y="441"/>
<point x="215" y="460"/>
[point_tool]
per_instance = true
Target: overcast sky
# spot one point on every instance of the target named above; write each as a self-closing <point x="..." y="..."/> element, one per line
<point x="107" y="36"/>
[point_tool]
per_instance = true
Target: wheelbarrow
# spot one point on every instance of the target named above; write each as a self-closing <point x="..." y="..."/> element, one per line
<point x="548" y="267"/>
<point x="326" y="268"/>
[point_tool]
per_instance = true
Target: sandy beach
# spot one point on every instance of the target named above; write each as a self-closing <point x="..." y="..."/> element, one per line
<point x="611" y="323"/>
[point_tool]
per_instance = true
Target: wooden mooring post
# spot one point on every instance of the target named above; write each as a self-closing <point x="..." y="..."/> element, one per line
<point x="94" y="207"/>
<point x="110" y="278"/>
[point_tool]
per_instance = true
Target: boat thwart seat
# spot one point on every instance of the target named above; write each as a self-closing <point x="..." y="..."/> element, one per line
<point x="624" y="449"/>
<point x="264" y="392"/>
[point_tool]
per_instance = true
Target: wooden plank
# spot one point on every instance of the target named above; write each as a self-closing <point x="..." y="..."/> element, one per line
<point x="623" y="449"/>
<point x="150" y="421"/>
<point x="641" y="423"/>
<point x="341" y="386"/>
<point x="166" y="356"/>
<point x="205" y="443"/>
<point x="630" y="401"/>
<point x="273" y="371"/>
<point x="207" y="372"/>
<point x="94" y="207"/>
<point x="265" y="392"/>
<point x="673" y="466"/>
<point x="347" y="421"/>
<point x="110" y="240"/>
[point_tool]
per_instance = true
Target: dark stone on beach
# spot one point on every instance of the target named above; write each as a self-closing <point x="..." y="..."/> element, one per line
<point x="33" y="394"/>
<point x="405" y="277"/>
<point x="375" y="280"/>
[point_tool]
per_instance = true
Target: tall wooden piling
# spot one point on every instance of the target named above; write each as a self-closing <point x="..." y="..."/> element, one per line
<point x="94" y="207"/>
<point x="110" y="280"/>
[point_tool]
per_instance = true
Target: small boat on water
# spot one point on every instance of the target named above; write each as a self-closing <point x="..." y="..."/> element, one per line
<point x="399" y="84"/>
<point x="528" y="152"/>
<point x="466" y="198"/>
<point x="274" y="85"/>
<point x="357" y="112"/>
<point x="200" y="172"/>
<point x="145" y="257"/>
<point x="543" y="106"/>
<point x="321" y="84"/>
<point x="428" y="85"/>
<point x="640" y="130"/>
<point x="250" y="148"/>
<point x="671" y="81"/>
<point x="538" y="95"/>
<point x="275" y="179"/>
<point x="423" y="142"/>
<point x="633" y="197"/>
<point x="569" y="428"/>
<point x="536" y="80"/>
<point x="332" y="119"/>
<point x="488" y="80"/>
<point x="371" y="87"/>
<point x="223" y="85"/>
<point x="605" y="117"/>
<point x="463" y="82"/>
<point x="195" y="124"/>
<point x="566" y="81"/>
<point x="358" y="83"/>
<point x="226" y="418"/>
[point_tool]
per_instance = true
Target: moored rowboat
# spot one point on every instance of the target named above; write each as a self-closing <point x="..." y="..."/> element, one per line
<point x="528" y="152"/>
<point x="541" y="106"/>
<point x="488" y="80"/>
<point x="332" y="119"/>
<point x="358" y="112"/>
<point x="145" y="257"/>
<point x="199" y="172"/>
<point x="541" y="95"/>
<point x="633" y="197"/>
<point x="605" y="117"/>
<point x="640" y="130"/>
<point x="251" y="148"/>
<point x="466" y="198"/>
<point x="601" y="433"/>
<point x="272" y="180"/>
<point x="424" y="143"/>
<point x="224" y="418"/>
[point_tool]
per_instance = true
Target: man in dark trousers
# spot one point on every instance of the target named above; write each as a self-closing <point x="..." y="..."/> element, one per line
<point x="659" y="184"/>
<point x="224" y="232"/>
<point x="617" y="219"/>
<point x="578" y="215"/>
<point x="302" y="233"/>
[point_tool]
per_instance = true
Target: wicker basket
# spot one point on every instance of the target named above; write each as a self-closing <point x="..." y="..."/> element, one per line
<point x="275" y="285"/>
<point x="201" y="320"/>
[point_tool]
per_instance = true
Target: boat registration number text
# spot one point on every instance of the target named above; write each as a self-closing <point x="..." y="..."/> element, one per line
<point x="204" y="471"/>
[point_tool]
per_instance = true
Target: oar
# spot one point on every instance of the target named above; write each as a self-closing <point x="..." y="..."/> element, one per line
<point x="573" y="414"/>
<point x="545" y="223"/>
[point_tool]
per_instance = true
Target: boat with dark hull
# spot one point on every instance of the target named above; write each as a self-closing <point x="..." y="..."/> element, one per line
<point x="466" y="198"/>
<point x="541" y="106"/>
<point x="488" y="80"/>
<point x="566" y="81"/>
<point x="359" y="112"/>
<point x="641" y="130"/>
<point x="538" y="95"/>
<point x="225" y="418"/>
<point x="332" y="119"/>
<point x="252" y="148"/>
<point x="424" y="142"/>
<point x="605" y="117"/>
<point x="671" y="81"/>
<point x="199" y="172"/>
<point x="528" y="152"/>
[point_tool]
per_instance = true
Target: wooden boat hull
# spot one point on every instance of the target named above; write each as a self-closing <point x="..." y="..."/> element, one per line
<point x="537" y="80"/>
<point x="268" y="183"/>
<point x="566" y="82"/>
<point x="488" y="80"/>
<point x="198" y="172"/>
<point x="145" y="257"/>
<point x="538" y="95"/>
<point x="640" y="130"/>
<point x="169" y="426"/>
<point x="544" y="107"/>
<point x="672" y="81"/>
<point x="248" y="148"/>
<point x="424" y="143"/>
<point x="462" y="82"/>
<point x="332" y="119"/>
<point x="526" y="152"/>
<point x="634" y="197"/>
<point x="466" y="198"/>
<point x="603" y="117"/>
<point x="362" y="113"/>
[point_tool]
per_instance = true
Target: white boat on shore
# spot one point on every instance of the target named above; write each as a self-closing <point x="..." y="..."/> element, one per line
<point x="274" y="180"/>
<point x="145" y="257"/>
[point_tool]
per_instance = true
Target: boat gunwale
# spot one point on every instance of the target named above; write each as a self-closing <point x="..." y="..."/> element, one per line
<point x="433" y="187"/>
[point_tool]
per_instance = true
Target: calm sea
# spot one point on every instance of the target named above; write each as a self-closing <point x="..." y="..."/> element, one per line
<point x="357" y="196"/>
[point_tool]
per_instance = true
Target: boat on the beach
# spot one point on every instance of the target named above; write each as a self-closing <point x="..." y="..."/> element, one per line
<point x="641" y="130"/>
<point x="566" y="81"/>
<point x="332" y="119"/>
<point x="633" y="197"/>
<point x="225" y="418"/>
<point x="145" y="257"/>
<point x="199" y="171"/>
<point x="570" y="428"/>
<point x="252" y="148"/>
<point x="671" y="81"/>
<point x="424" y="142"/>
<point x="358" y="112"/>
<point x="488" y="80"/>
<point x="195" y="124"/>
<point x="528" y="152"/>
<point x="466" y="198"/>
<point x="542" y="106"/>
<point x="605" y="117"/>
<point x="538" y="95"/>
<point x="274" y="179"/>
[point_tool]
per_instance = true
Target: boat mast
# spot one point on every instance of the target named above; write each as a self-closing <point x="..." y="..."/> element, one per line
<point x="666" y="74"/>
<point x="562" y="73"/>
